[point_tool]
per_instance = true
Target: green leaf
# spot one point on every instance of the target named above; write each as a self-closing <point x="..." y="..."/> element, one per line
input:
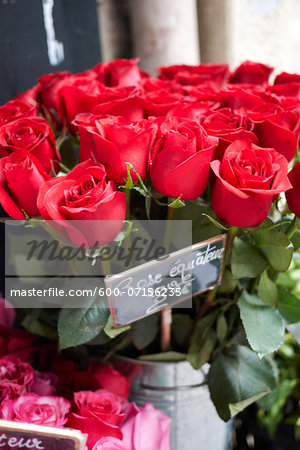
<point x="181" y="328"/>
<point x="294" y="329"/>
<point x="143" y="331"/>
<point x="288" y="306"/>
<point x="238" y="378"/>
<point x="203" y="341"/>
<point x="276" y="247"/>
<point x="263" y="325"/>
<point x="129" y="183"/>
<point x="215" y="222"/>
<point x="177" y="203"/>
<point x="246" y="260"/>
<point x="165" y="357"/>
<point x="79" y="326"/>
<point x="273" y="405"/>
<point x="267" y="290"/>
<point x="222" y="328"/>
<point x="113" y="332"/>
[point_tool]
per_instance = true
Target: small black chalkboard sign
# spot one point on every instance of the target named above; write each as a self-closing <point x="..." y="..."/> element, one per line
<point x="24" y="435"/>
<point x="159" y="284"/>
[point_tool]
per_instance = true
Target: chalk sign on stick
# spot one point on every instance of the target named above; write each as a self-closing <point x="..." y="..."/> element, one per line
<point x="37" y="437"/>
<point x="159" y="284"/>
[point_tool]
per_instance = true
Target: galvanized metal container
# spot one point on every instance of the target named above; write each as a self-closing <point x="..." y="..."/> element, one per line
<point x="181" y="392"/>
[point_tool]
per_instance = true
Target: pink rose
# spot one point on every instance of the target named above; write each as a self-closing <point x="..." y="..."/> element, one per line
<point x="16" y="377"/>
<point x="44" y="383"/>
<point x="109" y="443"/>
<point x="146" y="428"/>
<point x="41" y="410"/>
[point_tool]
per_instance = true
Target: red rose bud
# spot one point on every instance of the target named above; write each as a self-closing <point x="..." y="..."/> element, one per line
<point x="16" y="109"/>
<point x="80" y="94"/>
<point x="181" y="157"/>
<point x="286" y="77"/>
<point x="247" y="180"/>
<point x="114" y="141"/>
<point x="21" y="175"/>
<point x="85" y="196"/>
<point x="47" y="93"/>
<point x="237" y="97"/>
<point x="213" y="74"/>
<point x="251" y="73"/>
<point x="293" y="195"/>
<point x="121" y="72"/>
<point x="98" y="414"/>
<point x="33" y="134"/>
<point x="121" y="101"/>
<point x="228" y="127"/>
<point x="279" y="131"/>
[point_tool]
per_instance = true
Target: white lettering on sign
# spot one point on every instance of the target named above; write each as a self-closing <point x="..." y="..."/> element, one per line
<point x="55" y="48"/>
<point x="13" y="442"/>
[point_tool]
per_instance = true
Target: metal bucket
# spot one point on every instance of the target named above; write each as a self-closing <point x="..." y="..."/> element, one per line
<point x="181" y="392"/>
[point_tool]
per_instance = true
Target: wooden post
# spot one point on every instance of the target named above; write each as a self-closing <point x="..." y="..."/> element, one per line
<point x="166" y="323"/>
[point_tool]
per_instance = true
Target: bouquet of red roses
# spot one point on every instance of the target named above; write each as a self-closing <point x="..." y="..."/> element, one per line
<point x="197" y="142"/>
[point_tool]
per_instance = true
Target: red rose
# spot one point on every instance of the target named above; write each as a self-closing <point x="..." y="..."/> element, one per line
<point x="214" y="74"/>
<point x="286" y="77"/>
<point x="290" y="89"/>
<point x="109" y="378"/>
<point x="29" y="96"/>
<point x="16" y="342"/>
<point x="21" y="175"/>
<point x="236" y="97"/>
<point x="121" y="101"/>
<point x="279" y="131"/>
<point x="33" y="134"/>
<point x="98" y="414"/>
<point x="192" y="110"/>
<point x="293" y="195"/>
<point x="114" y="141"/>
<point x="84" y="195"/>
<point x="16" y="377"/>
<point x="80" y="94"/>
<point x="181" y="157"/>
<point x="251" y="73"/>
<point x="247" y="180"/>
<point x="47" y="93"/>
<point x="228" y="127"/>
<point x="121" y="72"/>
<point x="15" y="109"/>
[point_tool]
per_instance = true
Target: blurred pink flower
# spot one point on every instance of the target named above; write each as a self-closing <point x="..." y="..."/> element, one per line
<point x="145" y="428"/>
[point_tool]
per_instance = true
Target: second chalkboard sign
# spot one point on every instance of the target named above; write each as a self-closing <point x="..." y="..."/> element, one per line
<point x="159" y="284"/>
<point x="39" y="437"/>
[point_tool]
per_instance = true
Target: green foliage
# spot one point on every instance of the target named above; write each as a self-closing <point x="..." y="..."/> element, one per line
<point x="246" y="260"/>
<point x="238" y="378"/>
<point x="275" y="246"/>
<point x="263" y="325"/>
